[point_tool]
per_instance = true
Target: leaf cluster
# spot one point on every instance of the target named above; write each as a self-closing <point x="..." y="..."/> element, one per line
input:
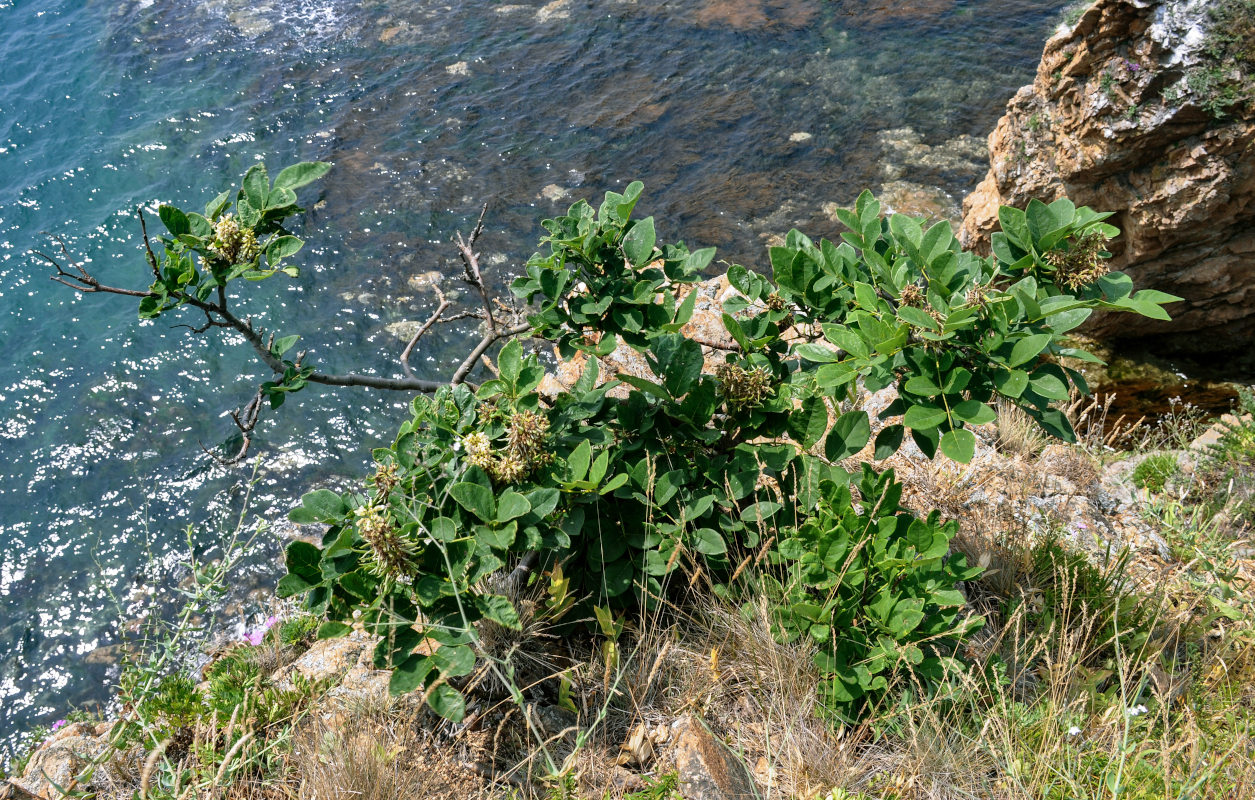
<point x="876" y="590"/>
<point x="196" y="258"/>
<point x="238" y="236"/>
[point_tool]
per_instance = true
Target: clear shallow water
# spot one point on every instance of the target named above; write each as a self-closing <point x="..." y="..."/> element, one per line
<point x="427" y="111"/>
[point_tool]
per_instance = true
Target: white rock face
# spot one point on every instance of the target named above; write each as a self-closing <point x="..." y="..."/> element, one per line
<point x="1179" y="28"/>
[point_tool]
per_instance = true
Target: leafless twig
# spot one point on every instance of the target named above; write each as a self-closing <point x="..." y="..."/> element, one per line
<point x="440" y="309"/>
<point x="470" y="265"/>
<point x="246" y="420"/>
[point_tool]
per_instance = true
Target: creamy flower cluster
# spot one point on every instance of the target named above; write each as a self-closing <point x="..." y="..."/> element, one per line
<point x="232" y="243"/>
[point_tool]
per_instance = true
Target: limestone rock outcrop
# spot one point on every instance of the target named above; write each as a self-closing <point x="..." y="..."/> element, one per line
<point x="1115" y="120"/>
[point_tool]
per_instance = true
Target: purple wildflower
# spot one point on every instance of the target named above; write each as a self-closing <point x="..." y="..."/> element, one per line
<point x="255" y="636"/>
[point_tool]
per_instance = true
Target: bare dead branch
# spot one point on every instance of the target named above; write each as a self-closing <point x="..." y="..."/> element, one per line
<point x="391" y="384"/>
<point x="246" y="420"/>
<point x="470" y="266"/>
<point x="148" y="247"/>
<point x="210" y="322"/>
<point x="217" y="315"/>
<point x="479" y="315"/>
<point x="488" y="365"/>
<point x="80" y="280"/>
<point x="409" y="348"/>
<point x="488" y="341"/>
<point x="731" y="348"/>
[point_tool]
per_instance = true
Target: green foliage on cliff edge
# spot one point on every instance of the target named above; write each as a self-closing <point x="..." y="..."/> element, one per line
<point x="705" y="464"/>
<point x="702" y="466"/>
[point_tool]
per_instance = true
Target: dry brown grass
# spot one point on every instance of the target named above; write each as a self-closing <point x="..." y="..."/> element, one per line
<point x="376" y="750"/>
<point x="1018" y="434"/>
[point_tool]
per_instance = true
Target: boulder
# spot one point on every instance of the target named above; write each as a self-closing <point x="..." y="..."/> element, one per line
<point x="1114" y="120"/>
<point x="707" y="769"/>
<point x="60" y="760"/>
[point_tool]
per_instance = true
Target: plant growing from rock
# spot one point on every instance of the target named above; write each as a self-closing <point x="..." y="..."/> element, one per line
<point x="1154" y="472"/>
<point x="722" y="456"/>
<point x="1224" y="81"/>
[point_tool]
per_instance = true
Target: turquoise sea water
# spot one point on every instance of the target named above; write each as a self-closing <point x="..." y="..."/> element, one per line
<point x="743" y="119"/>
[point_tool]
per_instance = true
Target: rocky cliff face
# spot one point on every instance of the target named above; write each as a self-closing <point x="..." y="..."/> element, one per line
<point x="1121" y="118"/>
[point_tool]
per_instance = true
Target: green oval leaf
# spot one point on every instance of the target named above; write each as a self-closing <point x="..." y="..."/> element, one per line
<point x="476" y="499"/>
<point x="1028" y="348"/>
<point x="298" y="175"/>
<point x="333" y="630"/>
<point x="849" y="434"/>
<point x="888" y="441"/>
<point x="974" y="412"/>
<point x="1011" y="383"/>
<point x="959" y="445"/>
<point x="924" y="417"/>
<point x="511" y="505"/>
<point x="638" y="245"/>
<point x="281" y="248"/>
<point x="256" y="189"/>
<point x="410" y="674"/>
<point x="709" y="542"/>
<point x="322" y="505"/>
<point x="762" y="510"/>
<point x="808" y="423"/>
<point x="817" y="353"/>
<point x="444" y="529"/>
<point x="175" y="220"/>
<point x="302" y="559"/>
<point x="447" y="702"/>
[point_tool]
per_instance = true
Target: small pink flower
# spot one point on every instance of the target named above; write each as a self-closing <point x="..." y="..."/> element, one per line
<point x="58" y="725"/>
<point x="254" y="637"/>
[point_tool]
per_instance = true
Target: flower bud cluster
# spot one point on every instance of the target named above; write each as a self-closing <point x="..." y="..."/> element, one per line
<point x="478" y="450"/>
<point x="743" y="388"/>
<point x="978" y="295"/>
<point x="911" y="295"/>
<point x="385" y="480"/>
<point x="391" y="554"/>
<point x="526" y="448"/>
<point x="1082" y="263"/>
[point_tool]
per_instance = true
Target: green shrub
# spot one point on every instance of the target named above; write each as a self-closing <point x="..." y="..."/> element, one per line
<point x="298" y="631"/>
<point x="1073" y="590"/>
<point x="623" y="491"/>
<point x="231" y="677"/>
<point x="664" y="787"/>
<point x="173" y="705"/>
<point x="876" y="589"/>
<point x="1155" y="471"/>
<point x="695" y="467"/>
<point x="1228" y="467"/>
<point x="1225" y="81"/>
